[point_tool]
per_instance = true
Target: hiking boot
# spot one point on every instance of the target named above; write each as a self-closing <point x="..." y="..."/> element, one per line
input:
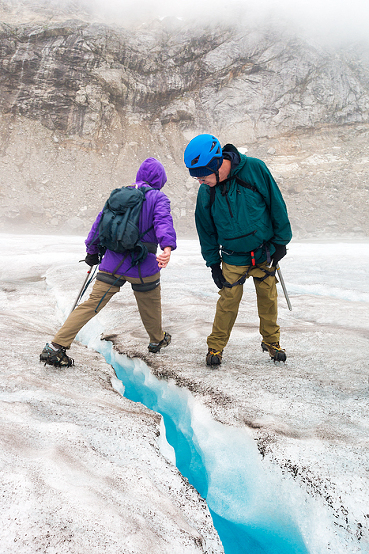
<point x="57" y="358"/>
<point x="214" y="357"/>
<point x="275" y="351"/>
<point x="155" y="347"/>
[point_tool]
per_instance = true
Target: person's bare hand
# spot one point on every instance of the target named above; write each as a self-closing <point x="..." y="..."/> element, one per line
<point x="164" y="257"/>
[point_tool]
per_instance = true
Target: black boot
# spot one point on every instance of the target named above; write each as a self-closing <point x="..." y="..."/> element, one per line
<point x="214" y="357"/>
<point x="155" y="348"/>
<point x="275" y="351"/>
<point x="57" y="358"/>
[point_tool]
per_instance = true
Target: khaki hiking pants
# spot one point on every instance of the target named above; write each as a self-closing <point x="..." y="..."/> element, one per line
<point x="229" y="301"/>
<point x="148" y="302"/>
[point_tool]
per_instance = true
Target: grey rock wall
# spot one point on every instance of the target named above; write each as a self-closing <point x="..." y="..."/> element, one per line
<point x="82" y="104"/>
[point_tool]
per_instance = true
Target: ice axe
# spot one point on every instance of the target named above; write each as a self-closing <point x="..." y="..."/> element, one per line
<point x="281" y="280"/>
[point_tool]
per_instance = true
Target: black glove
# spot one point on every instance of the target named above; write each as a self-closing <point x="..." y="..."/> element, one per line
<point x="92" y="259"/>
<point x="280" y="252"/>
<point x="217" y="275"/>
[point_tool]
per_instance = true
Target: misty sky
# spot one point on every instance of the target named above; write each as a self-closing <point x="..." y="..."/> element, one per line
<point x="330" y="20"/>
<point x="327" y="18"/>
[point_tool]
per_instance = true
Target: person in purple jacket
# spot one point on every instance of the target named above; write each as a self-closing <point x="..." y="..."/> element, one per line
<point x="115" y="269"/>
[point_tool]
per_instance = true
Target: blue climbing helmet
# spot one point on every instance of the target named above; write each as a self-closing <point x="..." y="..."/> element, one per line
<point x="203" y="155"/>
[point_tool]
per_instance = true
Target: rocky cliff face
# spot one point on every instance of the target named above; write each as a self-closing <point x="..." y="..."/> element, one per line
<point x="83" y="103"/>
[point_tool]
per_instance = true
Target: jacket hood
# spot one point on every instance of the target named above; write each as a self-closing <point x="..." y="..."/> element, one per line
<point x="231" y="153"/>
<point x="153" y="172"/>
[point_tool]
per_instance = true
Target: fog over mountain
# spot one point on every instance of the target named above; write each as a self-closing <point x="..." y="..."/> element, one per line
<point x="90" y="90"/>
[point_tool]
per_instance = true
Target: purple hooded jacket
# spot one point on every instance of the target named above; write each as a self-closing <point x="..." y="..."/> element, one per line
<point x="155" y="211"/>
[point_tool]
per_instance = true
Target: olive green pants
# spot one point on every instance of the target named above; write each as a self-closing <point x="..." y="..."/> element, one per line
<point x="229" y="301"/>
<point x="148" y="302"/>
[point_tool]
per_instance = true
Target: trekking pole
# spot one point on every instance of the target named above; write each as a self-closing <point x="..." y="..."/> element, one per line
<point x="281" y="280"/>
<point x="82" y="290"/>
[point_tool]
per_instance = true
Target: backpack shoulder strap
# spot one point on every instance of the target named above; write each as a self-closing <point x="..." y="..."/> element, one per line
<point x="212" y="196"/>
<point x="145" y="190"/>
<point x="239" y="181"/>
<point x="245" y="184"/>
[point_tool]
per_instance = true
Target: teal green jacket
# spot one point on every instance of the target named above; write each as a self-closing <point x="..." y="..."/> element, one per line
<point x="240" y="220"/>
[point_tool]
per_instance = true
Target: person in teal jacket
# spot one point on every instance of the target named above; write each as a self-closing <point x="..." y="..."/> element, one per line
<point x="243" y="228"/>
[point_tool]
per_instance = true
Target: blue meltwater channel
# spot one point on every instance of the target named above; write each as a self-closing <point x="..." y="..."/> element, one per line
<point x="249" y="511"/>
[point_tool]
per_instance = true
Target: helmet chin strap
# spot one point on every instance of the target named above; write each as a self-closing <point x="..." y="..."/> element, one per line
<point x="216" y="173"/>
